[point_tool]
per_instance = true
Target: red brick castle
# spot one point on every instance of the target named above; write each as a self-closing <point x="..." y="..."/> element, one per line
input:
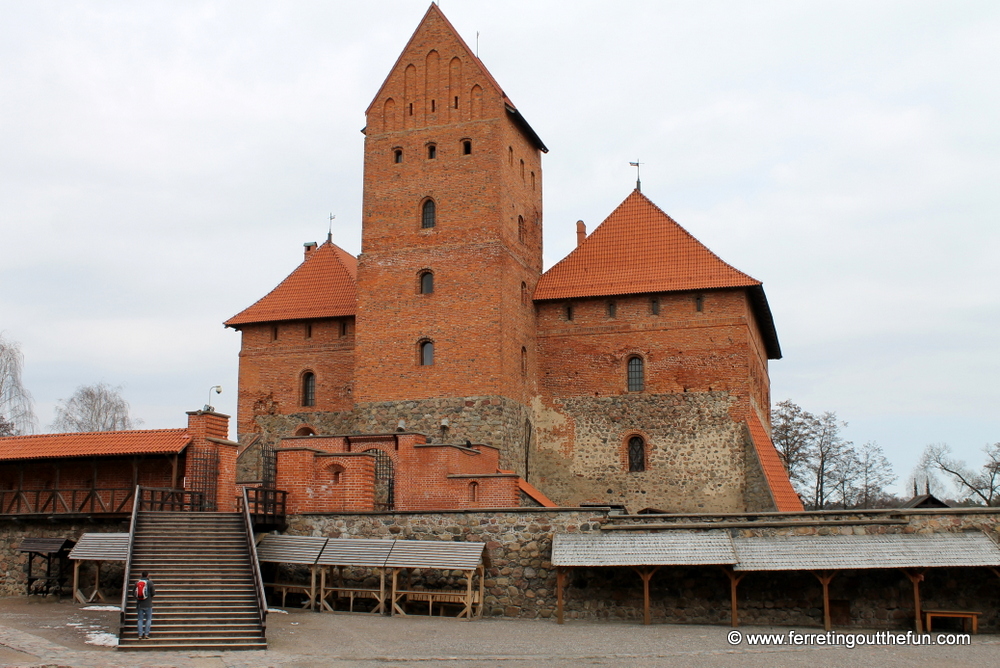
<point x="443" y="368"/>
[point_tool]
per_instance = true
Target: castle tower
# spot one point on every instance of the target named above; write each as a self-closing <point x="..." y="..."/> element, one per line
<point x="451" y="251"/>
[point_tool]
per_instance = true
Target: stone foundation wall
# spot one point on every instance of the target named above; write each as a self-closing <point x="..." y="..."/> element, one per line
<point x="521" y="579"/>
<point x="12" y="562"/>
<point x="695" y="452"/>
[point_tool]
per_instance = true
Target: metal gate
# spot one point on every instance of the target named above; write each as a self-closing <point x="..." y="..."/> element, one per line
<point x="385" y="482"/>
<point x="202" y="471"/>
<point x="268" y="465"/>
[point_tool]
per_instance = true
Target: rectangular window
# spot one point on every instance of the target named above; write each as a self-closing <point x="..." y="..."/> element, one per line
<point x="612" y="309"/>
<point x="654" y="306"/>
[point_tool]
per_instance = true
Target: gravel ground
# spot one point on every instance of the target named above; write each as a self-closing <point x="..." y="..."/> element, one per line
<point x="42" y="633"/>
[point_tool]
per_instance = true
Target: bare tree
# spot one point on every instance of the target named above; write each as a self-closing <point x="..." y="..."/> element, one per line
<point x="97" y="407"/>
<point x="874" y="475"/>
<point x="981" y="484"/>
<point x="17" y="416"/>
<point x="793" y="431"/>
<point x="827" y="450"/>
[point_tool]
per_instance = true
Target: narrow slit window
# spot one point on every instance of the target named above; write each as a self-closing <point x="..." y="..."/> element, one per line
<point x="411" y="108"/>
<point x="569" y="311"/>
<point x="428" y="214"/>
<point x="522" y="170"/>
<point x="654" y="306"/>
<point x="510" y="155"/>
<point x="636" y="454"/>
<point x="432" y="151"/>
<point x="612" y="309"/>
<point x="699" y="303"/>
<point x="524" y="293"/>
<point x="426" y="283"/>
<point x="636" y="374"/>
<point x="309" y="330"/>
<point x="433" y="105"/>
<point x="466" y="147"/>
<point x="308" y="389"/>
<point x="274" y="333"/>
<point x="456" y="102"/>
<point x="343" y="328"/>
<point x="524" y="361"/>
<point x="520" y="228"/>
<point x="473" y="491"/>
<point x="397" y="155"/>
<point x="427" y="353"/>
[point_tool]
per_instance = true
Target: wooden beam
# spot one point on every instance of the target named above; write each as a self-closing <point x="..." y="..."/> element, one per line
<point x="915" y="577"/>
<point x="646" y="574"/>
<point x="77" y="594"/>
<point x="734" y="581"/>
<point x="824" y="577"/>
<point x="560" y="581"/>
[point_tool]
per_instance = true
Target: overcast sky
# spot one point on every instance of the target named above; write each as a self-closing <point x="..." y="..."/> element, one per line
<point x="161" y="165"/>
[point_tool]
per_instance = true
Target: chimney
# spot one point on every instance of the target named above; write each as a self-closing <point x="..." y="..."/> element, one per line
<point x="310" y="246"/>
<point x="581" y="232"/>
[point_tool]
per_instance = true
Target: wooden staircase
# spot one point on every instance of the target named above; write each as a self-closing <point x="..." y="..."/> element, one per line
<point x="202" y="568"/>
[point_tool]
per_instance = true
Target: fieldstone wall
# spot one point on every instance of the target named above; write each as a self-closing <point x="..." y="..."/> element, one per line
<point x="521" y="580"/>
<point x="12" y="562"/>
<point x="695" y="452"/>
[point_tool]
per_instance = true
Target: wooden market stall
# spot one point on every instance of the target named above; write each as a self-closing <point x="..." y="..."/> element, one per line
<point x="825" y="556"/>
<point x="644" y="553"/>
<point x="52" y="553"/>
<point x="353" y="553"/>
<point x="96" y="547"/>
<point x="470" y="558"/>
<point x="298" y="550"/>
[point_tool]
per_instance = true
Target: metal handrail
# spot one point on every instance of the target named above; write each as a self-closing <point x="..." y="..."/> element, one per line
<point x="128" y="559"/>
<point x="257" y="578"/>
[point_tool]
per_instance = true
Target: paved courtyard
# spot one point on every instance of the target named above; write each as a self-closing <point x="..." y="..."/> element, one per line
<point x="40" y="633"/>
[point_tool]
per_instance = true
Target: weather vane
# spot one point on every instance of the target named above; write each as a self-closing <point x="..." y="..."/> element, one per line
<point x="638" y="183"/>
<point x="329" y="234"/>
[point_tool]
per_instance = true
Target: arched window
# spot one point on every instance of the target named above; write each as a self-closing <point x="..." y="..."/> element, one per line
<point x="305" y="431"/>
<point x="522" y="170"/>
<point x="427" y="353"/>
<point x="426" y="283"/>
<point x="467" y="144"/>
<point x="524" y="361"/>
<point x="397" y="155"/>
<point x="654" y="306"/>
<point x="636" y="454"/>
<point x="636" y="374"/>
<point x="510" y="155"/>
<point x="308" y="389"/>
<point x="428" y="214"/>
<point x="612" y="309"/>
<point x="569" y="311"/>
<point x="520" y="228"/>
<point x="336" y="473"/>
<point x="432" y="151"/>
<point x="473" y="491"/>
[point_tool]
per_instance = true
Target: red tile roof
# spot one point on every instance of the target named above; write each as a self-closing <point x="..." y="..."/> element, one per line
<point x="94" y="444"/>
<point x="638" y="249"/>
<point x="534" y="493"/>
<point x="323" y="286"/>
<point x="785" y="498"/>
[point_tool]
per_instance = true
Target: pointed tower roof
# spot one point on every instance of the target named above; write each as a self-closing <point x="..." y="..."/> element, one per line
<point x="435" y="15"/>
<point x="323" y="286"/>
<point x="640" y="249"/>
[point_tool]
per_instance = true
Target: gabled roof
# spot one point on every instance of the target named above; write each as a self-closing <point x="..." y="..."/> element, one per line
<point x="94" y="444"/>
<point x="432" y="14"/>
<point x="785" y="498"/>
<point x="640" y="249"/>
<point x="323" y="286"/>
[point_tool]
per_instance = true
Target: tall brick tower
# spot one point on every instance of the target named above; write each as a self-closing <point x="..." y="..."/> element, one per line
<point x="451" y="251"/>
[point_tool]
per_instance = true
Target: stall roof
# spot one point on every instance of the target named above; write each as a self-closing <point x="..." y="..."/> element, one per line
<point x="652" y="549"/>
<point x="45" y="545"/>
<point x="290" y="549"/>
<point x="355" y="552"/>
<point x="101" y="547"/>
<point x="437" y="554"/>
<point x="803" y="553"/>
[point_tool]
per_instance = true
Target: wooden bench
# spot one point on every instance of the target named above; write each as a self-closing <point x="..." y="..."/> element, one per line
<point x="432" y="596"/>
<point x="352" y="593"/>
<point x="956" y="614"/>
<point x="285" y="587"/>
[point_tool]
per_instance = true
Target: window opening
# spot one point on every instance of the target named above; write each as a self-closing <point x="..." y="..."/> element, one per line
<point x="522" y="170"/>
<point x="467" y="147"/>
<point x="524" y="361"/>
<point x="411" y="108"/>
<point x="426" y="283"/>
<point x="532" y="180"/>
<point x="343" y="328"/>
<point x="612" y="309"/>
<point x="654" y="306"/>
<point x="473" y="491"/>
<point x="274" y="333"/>
<point x="397" y="155"/>
<point x="427" y="353"/>
<point x="636" y="454"/>
<point x="456" y="102"/>
<point x="433" y="105"/>
<point x="524" y="293"/>
<point x="636" y="374"/>
<point x="569" y="311"/>
<point x="510" y="155"/>
<point x="429" y="216"/>
<point x="699" y="303"/>
<point x="520" y="228"/>
<point x="309" y="330"/>
<point x="308" y="389"/>
<point x="432" y="152"/>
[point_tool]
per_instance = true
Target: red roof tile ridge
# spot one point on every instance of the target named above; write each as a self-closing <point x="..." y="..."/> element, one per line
<point x="290" y="299"/>
<point x="75" y="434"/>
<point x="785" y="498"/>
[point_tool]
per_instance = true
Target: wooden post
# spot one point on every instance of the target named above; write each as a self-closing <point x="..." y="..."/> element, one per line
<point x="734" y="581"/>
<point x="646" y="574"/>
<point x="173" y="473"/>
<point x="560" y="581"/>
<point x="468" y="594"/>
<point x="97" y="595"/>
<point x="915" y="578"/>
<point x="322" y="589"/>
<point x="482" y="590"/>
<point x="824" y="577"/>
<point x="77" y="594"/>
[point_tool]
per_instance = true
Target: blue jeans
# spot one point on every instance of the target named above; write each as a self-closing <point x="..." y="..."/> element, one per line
<point x="145" y="620"/>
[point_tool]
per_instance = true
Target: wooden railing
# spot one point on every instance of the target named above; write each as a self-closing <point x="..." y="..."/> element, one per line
<point x="163" y="498"/>
<point x="128" y="562"/>
<point x="265" y="505"/>
<point x="258" y="579"/>
<point x="66" y="501"/>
